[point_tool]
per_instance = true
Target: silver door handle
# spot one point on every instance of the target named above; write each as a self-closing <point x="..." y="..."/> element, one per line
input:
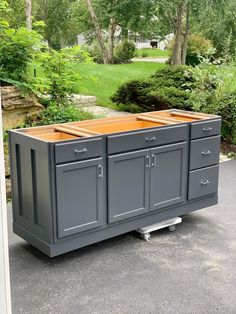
<point x="79" y="151"/>
<point x="100" y="171"/>
<point x="148" y="164"/>
<point x="154" y="160"/>
<point x="150" y="139"/>
<point x="205" y="182"/>
<point x="207" y="129"/>
<point x="206" y="153"/>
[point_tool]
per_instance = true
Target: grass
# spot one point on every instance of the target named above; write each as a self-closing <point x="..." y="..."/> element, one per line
<point x="103" y="80"/>
<point x="152" y="53"/>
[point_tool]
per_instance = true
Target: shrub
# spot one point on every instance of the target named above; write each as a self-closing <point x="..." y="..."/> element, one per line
<point x="94" y="52"/>
<point x="61" y="79"/>
<point x="124" y="52"/>
<point x="225" y="106"/>
<point x="17" y="49"/>
<point x="197" y="89"/>
<point x="167" y="88"/>
<point x="198" y="48"/>
<point x="53" y="114"/>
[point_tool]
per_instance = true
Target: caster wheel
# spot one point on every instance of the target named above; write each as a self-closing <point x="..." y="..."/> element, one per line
<point x="172" y="228"/>
<point x="146" y="236"/>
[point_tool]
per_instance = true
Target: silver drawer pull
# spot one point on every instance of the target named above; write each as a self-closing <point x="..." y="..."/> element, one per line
<point x="150" y="139"/>
<point x="207" y="129"/>
<point x="205" y="182"/>
<point x="79" y="151"/>
<point x="100" y="168"/>
<point x="206" y="153"/>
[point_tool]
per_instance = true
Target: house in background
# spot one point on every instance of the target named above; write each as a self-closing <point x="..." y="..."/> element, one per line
<point x="143" y="43"/>
<point x="140" y="43"/>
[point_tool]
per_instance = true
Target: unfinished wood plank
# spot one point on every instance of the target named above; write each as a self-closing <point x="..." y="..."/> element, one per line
<point x="164" y="118"/>
<point x="188" y="115"/>
<point x="157" y="120"/>
<point x="72" y="132"/>
<point x="75" y="128"/>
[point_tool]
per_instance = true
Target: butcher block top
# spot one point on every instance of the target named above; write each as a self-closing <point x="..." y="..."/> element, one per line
<point x="98" y="127"/>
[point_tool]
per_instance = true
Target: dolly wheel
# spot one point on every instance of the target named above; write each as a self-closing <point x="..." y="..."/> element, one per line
<point x="172" y="228"/>
<point x="146" y="236"/>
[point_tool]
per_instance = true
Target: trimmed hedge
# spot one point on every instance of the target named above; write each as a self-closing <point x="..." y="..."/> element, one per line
<point x="184" y="88"/>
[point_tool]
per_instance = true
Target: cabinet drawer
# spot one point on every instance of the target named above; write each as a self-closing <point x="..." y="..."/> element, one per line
<point x="203" y="182"/>
<point x="65" y="152"/>
<point x="204" y="129"/>
<point x="204" y="152"/>
<point x="144" y="139"/>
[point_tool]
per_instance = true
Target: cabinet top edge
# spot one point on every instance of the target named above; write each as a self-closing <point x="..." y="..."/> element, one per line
<point x="116" y="125"/>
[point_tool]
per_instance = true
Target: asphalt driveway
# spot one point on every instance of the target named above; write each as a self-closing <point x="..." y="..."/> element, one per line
<point x="192" y="270"/>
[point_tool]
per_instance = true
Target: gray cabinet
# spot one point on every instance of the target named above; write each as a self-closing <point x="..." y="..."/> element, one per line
<point x="63" y="200"/>
<point x="146" y="180"/>
<point x="128" y="185"/>
<point x="79" y="188"/>
<point x="168" y="175"/>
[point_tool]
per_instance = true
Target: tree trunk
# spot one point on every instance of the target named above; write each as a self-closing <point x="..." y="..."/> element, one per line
<point x="186" y="33"/>
<point x="177" y="50"/>
<point x="98" y="31"/>
<point x="112" y="29"/>
<point x="28" y="12"/>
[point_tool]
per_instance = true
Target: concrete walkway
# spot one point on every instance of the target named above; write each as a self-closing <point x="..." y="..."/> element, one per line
<point x="158" y="60"/>
<point x="104" y="112"/>
<point x="190" y="271"/>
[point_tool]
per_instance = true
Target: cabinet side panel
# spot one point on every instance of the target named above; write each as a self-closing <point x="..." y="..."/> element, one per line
<point x="31" y="185"/>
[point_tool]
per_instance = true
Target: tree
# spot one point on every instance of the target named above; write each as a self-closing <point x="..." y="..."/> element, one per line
<point x="98" y="31"/>
<point x="28" y="12"/>
<point x="179" y="16"/>
<point x="111" y="16"/>
<point x="58" y="15"/>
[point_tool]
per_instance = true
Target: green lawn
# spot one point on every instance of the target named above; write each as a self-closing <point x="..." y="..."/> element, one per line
<point x="103" y="80"/>
<point x="152" y="53"/>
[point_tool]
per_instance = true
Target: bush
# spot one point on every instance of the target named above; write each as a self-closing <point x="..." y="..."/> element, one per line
<point x="167" y="88"/>
<point x="124" y="52"/>
<point x="94" y="52"/>
<point x="196" y="89"/>
<point x="61" y="80"/>
<point x="225" y="106"/>
<point x="198" y="48"/>
<point x="53" y="114"/>
<point x="17" y="48"/>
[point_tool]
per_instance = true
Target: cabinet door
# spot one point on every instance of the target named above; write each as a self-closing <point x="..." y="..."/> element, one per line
<point x="79" y="196"/>
<point x="128" y="185"/>
<point x="168" y="175"/>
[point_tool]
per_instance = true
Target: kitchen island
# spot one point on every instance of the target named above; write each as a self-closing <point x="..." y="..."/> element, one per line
<point x="78" y="183"/>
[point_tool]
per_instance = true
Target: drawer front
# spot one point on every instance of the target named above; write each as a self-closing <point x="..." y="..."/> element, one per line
<point x="204" y="129"/>
<point x="65" y="152"/>
<point x="203" y="182"/>
<point x="204" y="152"/>
<point x="144" y="139"/>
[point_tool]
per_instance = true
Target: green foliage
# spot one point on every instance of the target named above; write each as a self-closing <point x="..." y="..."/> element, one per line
<point x="165" y="89"/>
<point x="17" y="49"/>
<point x="198" y="48"/>
<point x="58" y="114"/>
<point x="225" y="106"/>
<point x="60" y="79"/>
<point x="124" y="52"/>
<point x="197" y="89"/>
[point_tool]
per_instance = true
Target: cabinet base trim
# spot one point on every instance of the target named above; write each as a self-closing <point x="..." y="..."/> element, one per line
<point x="110" y="231"/>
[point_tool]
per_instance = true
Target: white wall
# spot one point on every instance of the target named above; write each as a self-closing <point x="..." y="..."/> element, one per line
<point x="5" y="300"/>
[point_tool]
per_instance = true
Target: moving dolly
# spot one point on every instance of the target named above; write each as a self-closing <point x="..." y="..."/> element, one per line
<point x="170" y="224"/>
